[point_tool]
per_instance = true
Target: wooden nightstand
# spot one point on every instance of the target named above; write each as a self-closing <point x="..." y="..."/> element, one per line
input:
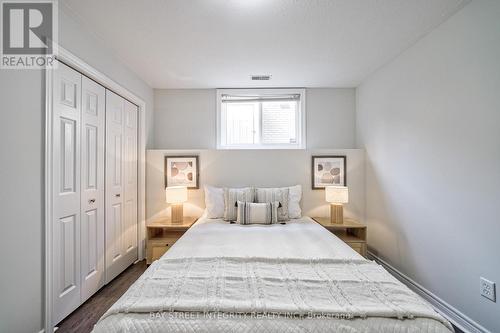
<point x="162" y="234"/>
<point x="353" y="233"/>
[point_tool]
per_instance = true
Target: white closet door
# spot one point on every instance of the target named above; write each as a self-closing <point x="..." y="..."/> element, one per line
<point x="66" y="191"/>
<point x="92" y="194"/>
<point x="119" y="254"/>
<point x="130" y="180"/>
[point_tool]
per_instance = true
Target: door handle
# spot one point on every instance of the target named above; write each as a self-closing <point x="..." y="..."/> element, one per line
<point x="117" y="195"/>
<point x="91" y="201"/>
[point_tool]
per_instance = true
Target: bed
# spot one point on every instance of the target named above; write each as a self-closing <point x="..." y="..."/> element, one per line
<point x="293" y="277"/>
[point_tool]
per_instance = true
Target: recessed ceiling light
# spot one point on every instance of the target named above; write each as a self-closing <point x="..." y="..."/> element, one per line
<point x="260" y="77"/>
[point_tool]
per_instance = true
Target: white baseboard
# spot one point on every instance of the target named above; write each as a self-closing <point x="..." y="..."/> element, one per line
<point x="456" y="317"/>
<point x="43" y="330"/>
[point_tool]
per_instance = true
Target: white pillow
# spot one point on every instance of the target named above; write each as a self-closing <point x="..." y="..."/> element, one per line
<point x="231" y="196"/>
<point x="294" y="196"/>
<point x="257" y="213"/>
<point x="214" y="202"/>
<point x="275" y="194"/>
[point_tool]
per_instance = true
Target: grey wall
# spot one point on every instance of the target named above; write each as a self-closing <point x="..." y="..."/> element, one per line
<point x="21" y="176"/>
<point x="185" y="118"/>
<point x="430" y="124"/>
<point x="22" y="115"/>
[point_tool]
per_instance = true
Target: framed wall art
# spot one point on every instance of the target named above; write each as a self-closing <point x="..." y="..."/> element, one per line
<point x="328" y="171"/>
<point x="182" y="171"/>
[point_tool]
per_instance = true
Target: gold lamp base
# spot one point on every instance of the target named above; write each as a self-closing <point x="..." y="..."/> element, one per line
<point x="177" y="213"/>
<point x="336" y="213"/>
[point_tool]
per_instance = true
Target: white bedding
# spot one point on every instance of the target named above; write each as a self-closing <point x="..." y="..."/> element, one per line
<point x="297" y="240"/>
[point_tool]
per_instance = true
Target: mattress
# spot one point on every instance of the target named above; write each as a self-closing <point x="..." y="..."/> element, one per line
<point x="297" y="239"/>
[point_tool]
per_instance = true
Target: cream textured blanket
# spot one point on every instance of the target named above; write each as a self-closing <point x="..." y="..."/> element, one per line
<point x="289" y="287"/>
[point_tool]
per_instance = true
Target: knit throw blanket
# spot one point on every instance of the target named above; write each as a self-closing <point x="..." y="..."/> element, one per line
<point x="317" y="287"/>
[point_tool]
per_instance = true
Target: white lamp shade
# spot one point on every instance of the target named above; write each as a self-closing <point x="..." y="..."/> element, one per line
<point x="176" y="194"/>
<point x="337" y="194"/>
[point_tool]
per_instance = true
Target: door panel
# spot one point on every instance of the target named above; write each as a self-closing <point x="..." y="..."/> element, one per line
<point x="130" y="173"/>
<point x="121" y="177"/>
<point x="66" y="191"/>
<point x="69" y="93"/>
<point x="90" y="227"/>
<point x="91" y="156"/>
<point x="68" y="155"/>
<point x="113" y="225"/>
<point x="92" y="200"/>
<point x="116" y="231"/>
<point x="117" y="159"/>
<point x="130" y="235"/>
<point x="68" y="255"/>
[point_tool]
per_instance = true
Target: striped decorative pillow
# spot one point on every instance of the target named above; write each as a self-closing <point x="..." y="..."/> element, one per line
<point x="275" y="194"/>
<point x="231" y="196"/>
<point x="257" y="213"/>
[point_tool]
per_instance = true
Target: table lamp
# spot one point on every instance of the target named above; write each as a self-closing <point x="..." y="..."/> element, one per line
<point x="337" y="196"/>
<point x="176" y="195"/>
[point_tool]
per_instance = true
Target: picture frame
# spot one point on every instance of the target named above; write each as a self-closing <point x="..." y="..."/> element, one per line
<point x="328" y="171"/>
<point x="182" y="171"/>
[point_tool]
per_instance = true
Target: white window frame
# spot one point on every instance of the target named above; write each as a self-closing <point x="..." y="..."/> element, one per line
<point x="301" y="135"/>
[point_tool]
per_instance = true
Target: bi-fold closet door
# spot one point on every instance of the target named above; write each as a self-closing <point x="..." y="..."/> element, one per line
<point x="92" y="188"/>
<point x="66" y="182"/>
<point x="121" y="184"/>
<point x="89" y="246"/>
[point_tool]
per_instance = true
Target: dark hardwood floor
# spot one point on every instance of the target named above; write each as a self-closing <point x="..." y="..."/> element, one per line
<point x="83" y="319"/>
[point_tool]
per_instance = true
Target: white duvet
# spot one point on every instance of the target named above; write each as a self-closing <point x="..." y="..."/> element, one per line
<point x="222" y="277"/>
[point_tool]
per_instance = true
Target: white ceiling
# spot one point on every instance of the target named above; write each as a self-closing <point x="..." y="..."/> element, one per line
<point x="220" y="43"/>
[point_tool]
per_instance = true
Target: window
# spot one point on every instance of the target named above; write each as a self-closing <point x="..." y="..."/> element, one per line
<point x="260" y="119"/>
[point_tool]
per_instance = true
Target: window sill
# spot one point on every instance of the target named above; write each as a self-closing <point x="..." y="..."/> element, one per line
<point x="262" y="147"/>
